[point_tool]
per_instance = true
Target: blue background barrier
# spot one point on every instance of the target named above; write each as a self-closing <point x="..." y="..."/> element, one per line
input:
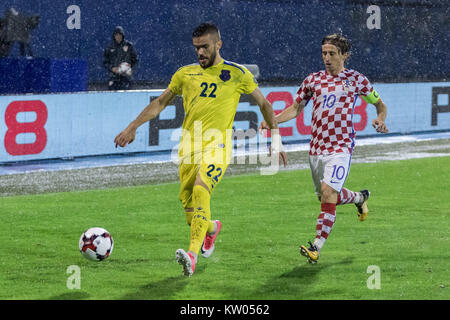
<point x="282" y="37"/>
<point x="34" y="127"/>
<point x="21" y="75"/>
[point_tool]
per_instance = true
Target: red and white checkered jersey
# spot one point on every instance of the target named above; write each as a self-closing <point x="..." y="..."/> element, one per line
<point x="332" y="114"/>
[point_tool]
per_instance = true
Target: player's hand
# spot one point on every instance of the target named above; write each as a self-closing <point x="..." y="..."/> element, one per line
<point x="115" y="69"/>
<point x="380" y="126"/>
<point x="125" y="137"/>
<point x="263" y="126"/>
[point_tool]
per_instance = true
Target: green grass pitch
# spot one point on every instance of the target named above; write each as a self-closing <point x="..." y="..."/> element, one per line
<point x="265" y="219"/>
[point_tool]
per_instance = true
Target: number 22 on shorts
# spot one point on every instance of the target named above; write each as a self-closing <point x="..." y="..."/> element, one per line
<point x="214" y="173"/>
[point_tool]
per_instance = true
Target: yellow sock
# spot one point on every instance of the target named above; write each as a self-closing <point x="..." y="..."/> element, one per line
<point x="201" y="222"/>
<point x="189" y="215"/>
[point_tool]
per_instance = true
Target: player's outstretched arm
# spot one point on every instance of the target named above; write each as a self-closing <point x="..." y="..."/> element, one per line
<point x="150" y="112"/>
<point x="269" y="119"/>
<point x="378" y="123"/>
<point x="287" y="114"/>
<point x="266" y="109"/>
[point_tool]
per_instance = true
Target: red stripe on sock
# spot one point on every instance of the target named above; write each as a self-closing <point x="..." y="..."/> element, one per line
<point x="324" y="235"/>
<point x="346" y="196"/>
<point x="328" y="223"/>
<point x="329" y="208"/>
<point x="319" y="225"/>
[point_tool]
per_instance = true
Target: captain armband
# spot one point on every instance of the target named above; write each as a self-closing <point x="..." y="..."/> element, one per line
<point x="372" y="98"/>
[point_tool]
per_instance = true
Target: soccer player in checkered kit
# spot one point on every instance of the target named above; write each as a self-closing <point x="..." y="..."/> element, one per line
<point x="333" y="92"/>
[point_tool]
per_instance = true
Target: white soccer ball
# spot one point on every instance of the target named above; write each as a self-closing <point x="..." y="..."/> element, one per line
<point x="96" y="244"/>
<point x="125" y="68"/>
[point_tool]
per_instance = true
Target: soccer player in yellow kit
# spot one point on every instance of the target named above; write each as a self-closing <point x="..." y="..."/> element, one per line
<point x="211" y="90"/>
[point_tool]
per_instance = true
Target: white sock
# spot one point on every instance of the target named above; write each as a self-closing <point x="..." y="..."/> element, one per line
<point x="359" y="198"/>
<point x="319" y="243"/>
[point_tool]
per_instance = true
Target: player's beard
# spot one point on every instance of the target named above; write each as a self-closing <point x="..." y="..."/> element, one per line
<point x="211" y="60"/>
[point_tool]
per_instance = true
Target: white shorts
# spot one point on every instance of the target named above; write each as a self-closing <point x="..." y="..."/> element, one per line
<point x="331" y="168"/>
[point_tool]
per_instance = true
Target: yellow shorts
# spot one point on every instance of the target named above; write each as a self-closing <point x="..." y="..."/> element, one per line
<point x="211" y="173"/>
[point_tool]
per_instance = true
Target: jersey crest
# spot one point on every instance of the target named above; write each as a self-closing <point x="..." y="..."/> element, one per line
<point x="225" y="75"/>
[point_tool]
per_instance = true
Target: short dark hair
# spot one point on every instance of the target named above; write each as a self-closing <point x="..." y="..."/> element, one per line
<point x="205" y="28"/>
<point x="338" y="40"/>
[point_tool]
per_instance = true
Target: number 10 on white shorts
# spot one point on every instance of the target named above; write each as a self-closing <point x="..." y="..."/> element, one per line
<point x="330" y="168"/>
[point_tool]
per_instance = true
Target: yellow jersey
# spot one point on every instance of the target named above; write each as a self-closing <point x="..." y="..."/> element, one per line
<point x="210" y="99"/>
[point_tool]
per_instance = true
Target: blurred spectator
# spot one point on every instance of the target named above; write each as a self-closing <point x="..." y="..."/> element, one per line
<point x="5" y="46"/>
<point x="119" y="59"/>
<point x="17" y="28"/>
